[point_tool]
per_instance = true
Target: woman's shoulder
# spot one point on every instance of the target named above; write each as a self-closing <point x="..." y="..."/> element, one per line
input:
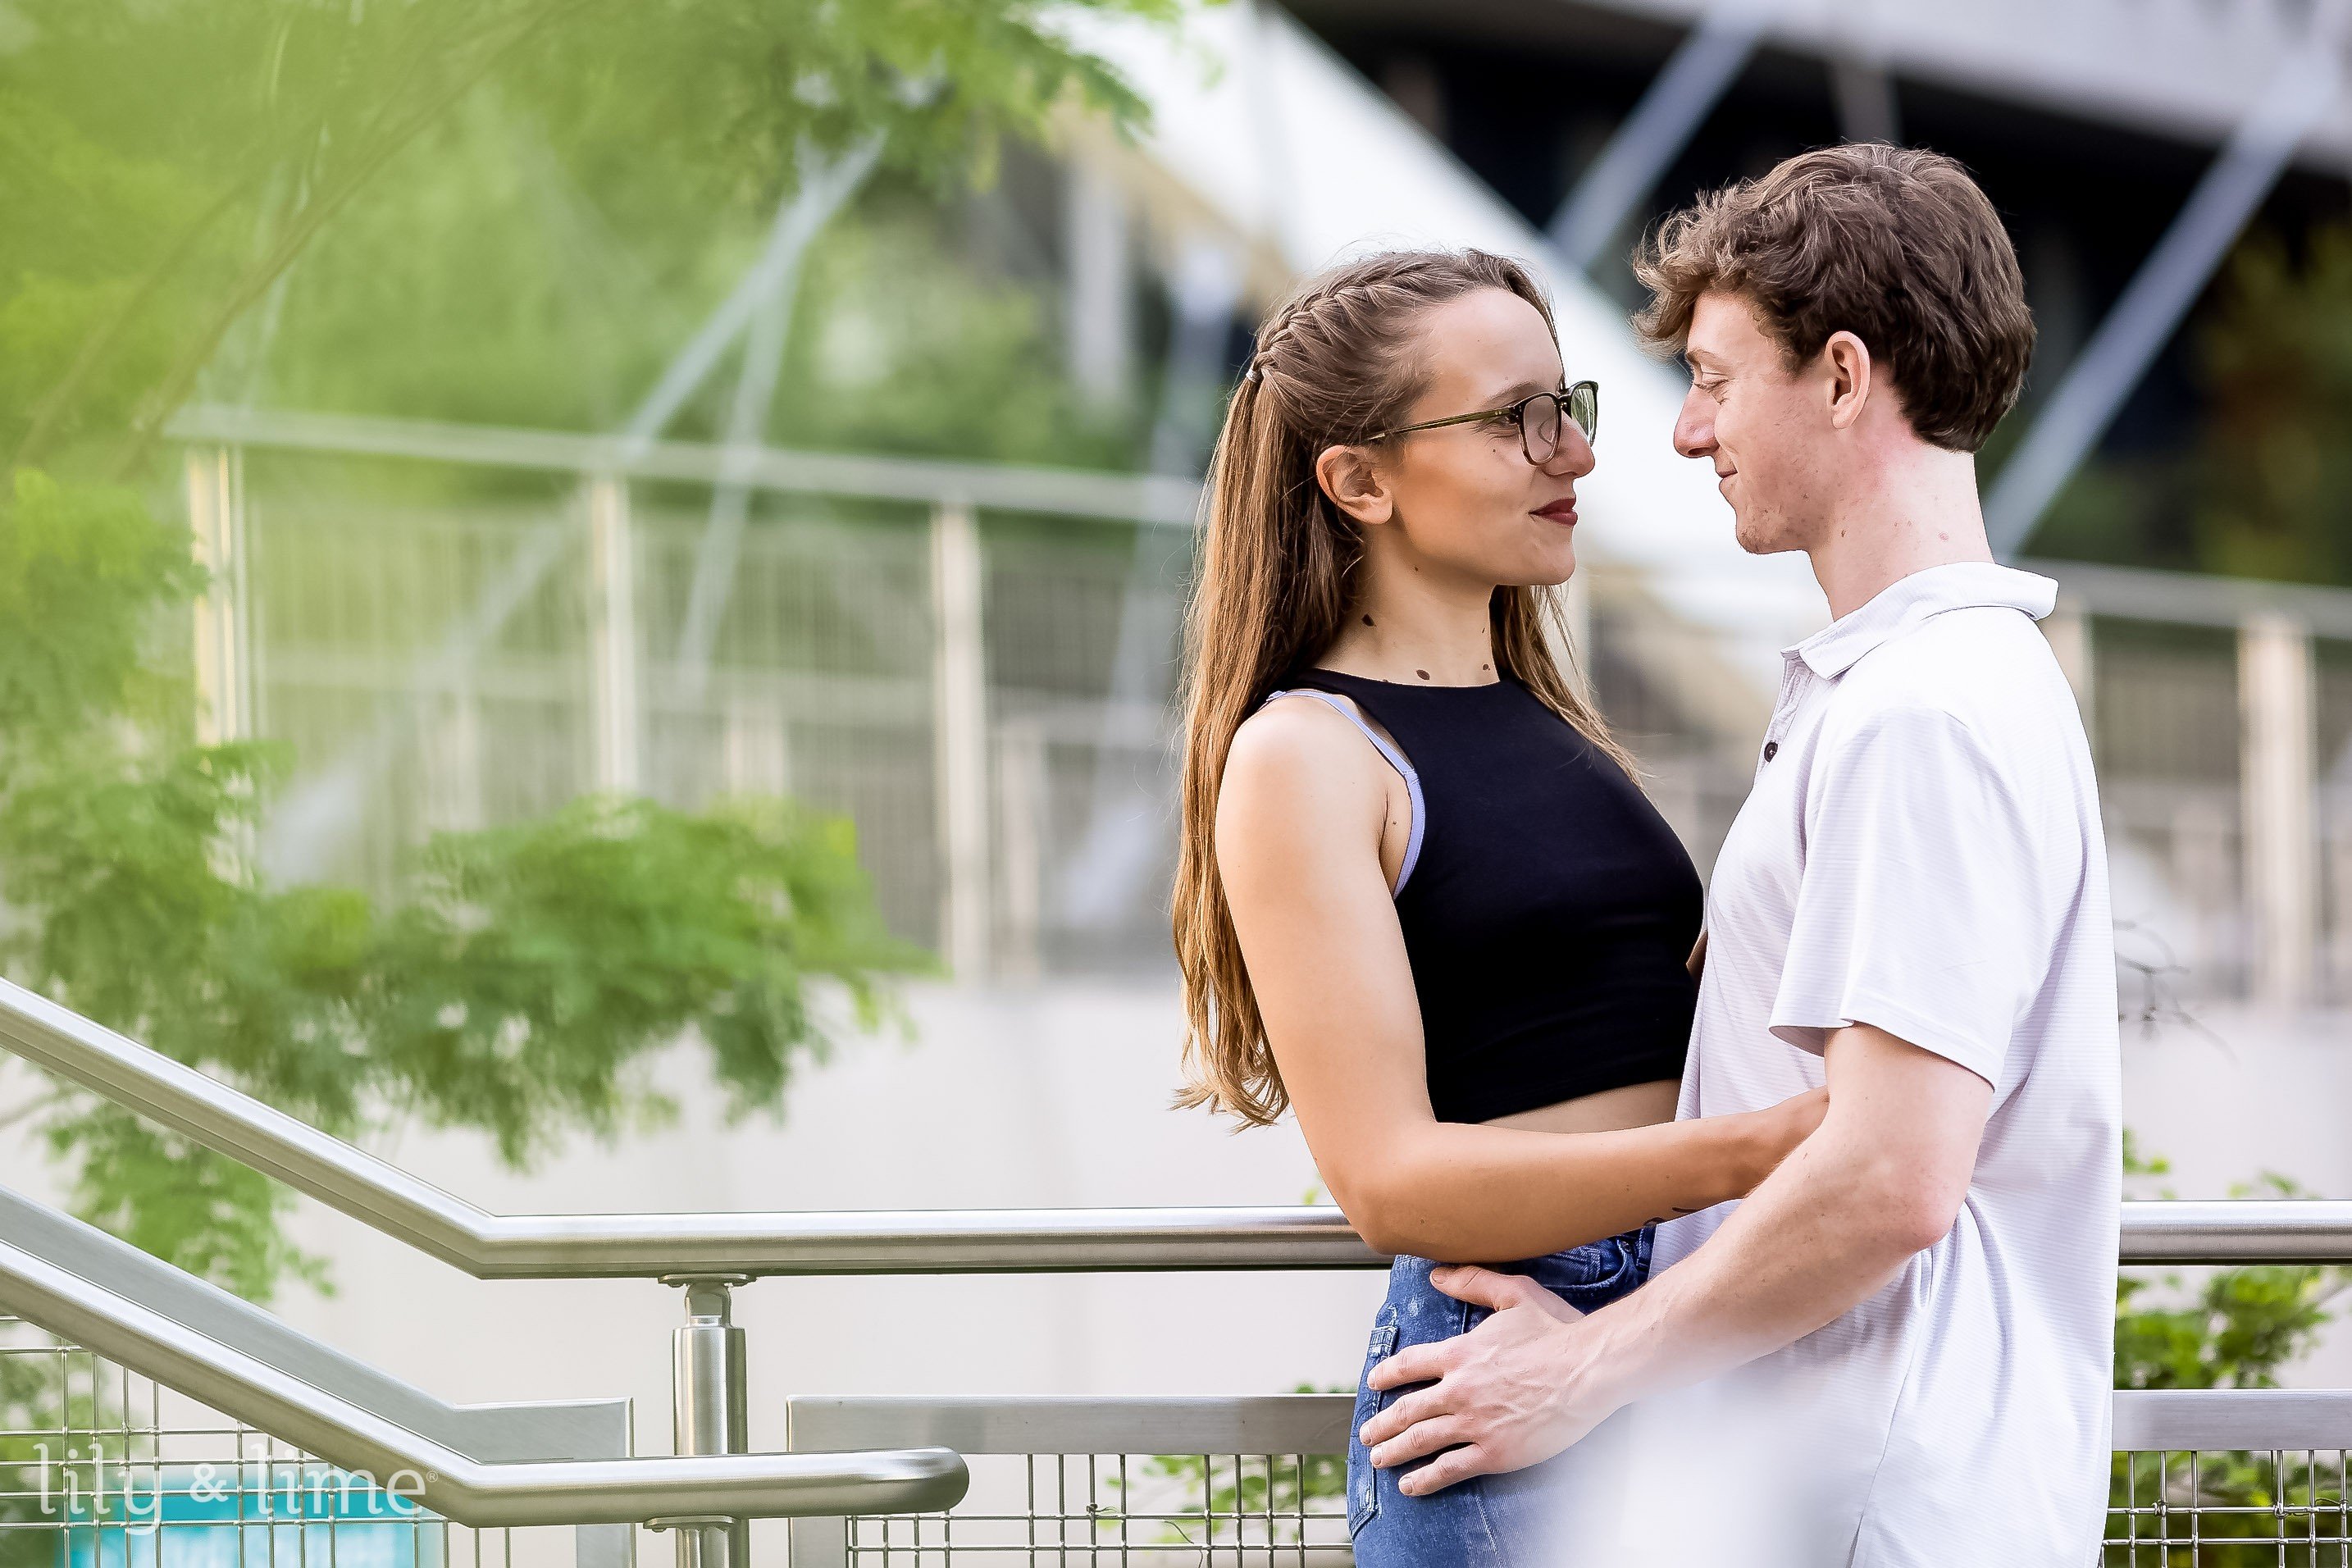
<point x="1299" y="751"/>
<point x="1292" y="731"/>
<point x="1302" y="790"/>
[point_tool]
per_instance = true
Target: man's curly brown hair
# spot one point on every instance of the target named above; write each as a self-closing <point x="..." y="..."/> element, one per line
<point x="1895" y="244"/>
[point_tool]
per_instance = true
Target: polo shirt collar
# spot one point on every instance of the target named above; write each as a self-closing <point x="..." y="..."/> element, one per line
<point x="1905" y="602"/>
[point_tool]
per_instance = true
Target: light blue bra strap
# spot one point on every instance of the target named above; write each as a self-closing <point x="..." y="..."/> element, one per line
<point x="1395" y="760"/>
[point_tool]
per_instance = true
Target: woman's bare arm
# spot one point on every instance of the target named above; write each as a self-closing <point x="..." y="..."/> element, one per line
<point x="1300" y="824"/>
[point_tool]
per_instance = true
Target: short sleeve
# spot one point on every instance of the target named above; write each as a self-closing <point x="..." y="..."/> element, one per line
<point x="1915" y="910"/>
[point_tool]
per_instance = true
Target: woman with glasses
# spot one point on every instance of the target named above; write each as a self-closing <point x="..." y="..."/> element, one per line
<point x="1421" y="900"/>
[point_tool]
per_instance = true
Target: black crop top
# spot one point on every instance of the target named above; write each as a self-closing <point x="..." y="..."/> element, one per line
<point x="1548" y="910"/>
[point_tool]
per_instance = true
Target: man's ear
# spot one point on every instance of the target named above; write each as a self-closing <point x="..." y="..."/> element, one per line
<point x="1846" y="359"/>
<point x="1354" y="484"/>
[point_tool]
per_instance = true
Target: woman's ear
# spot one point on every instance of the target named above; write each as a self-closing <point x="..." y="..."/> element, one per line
<point x="1350" y="478"/>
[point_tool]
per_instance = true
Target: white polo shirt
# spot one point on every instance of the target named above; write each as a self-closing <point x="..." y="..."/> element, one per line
<point x="1921" y="852"/>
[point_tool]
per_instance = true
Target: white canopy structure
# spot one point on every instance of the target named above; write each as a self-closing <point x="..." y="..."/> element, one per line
<point x="1274" y="140"/>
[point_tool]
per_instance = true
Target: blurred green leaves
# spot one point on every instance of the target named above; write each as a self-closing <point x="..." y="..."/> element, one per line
<point x="2263" y="487"/>
<point x="80" y="570"/>
<point x="166" y="163"/>
<point x="536" y="963"/>
<point x="521" y="986"/>
<point x="899" y="348"/>
<point x="473" y="209"/>
<point x="2276" y="500"/>
<point x="2234" y="1328"/>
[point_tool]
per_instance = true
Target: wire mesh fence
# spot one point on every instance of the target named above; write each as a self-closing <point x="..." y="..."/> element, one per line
<point x="1036" y="1499"/>
<point x="2207" y="1509"/>
<point x="427" y="652"/>
<point x="426" y="641"/>
<point x="1263" y="1511"/>
<point x="102" y="1468"/>
<point x="1153" y="1482"/>
<point x="2168" y="1509"/>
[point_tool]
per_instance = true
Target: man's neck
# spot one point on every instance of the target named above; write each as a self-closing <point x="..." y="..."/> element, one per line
<point x="1919" y="510"/>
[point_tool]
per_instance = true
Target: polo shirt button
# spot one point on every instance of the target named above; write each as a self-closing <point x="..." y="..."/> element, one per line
<point x="1771" y="750"/>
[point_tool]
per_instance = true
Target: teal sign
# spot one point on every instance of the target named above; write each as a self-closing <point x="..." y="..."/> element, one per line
<point x="235" y="1516"/>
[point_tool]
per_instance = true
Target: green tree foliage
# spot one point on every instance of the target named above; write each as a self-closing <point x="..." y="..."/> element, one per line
<point x="2265" y="490"/>
<point x="900" y="348"/>
<point x="226" y="197"/>
<point x="2237" y="1327"/>
<point x="2233" y="1328"/>
<point x="519" y="987"/>
<point x="166" y="162"/>
<point x="486" y="284"/>
<point x="2276" y="493"/>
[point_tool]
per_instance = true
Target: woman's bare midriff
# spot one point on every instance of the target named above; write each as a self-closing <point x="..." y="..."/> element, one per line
<point x="1611" y="1110"/>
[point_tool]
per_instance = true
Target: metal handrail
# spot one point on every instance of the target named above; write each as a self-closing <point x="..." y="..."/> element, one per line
<point x="964" y="1241"/>
<point x="2132" y="593"/>
<point x="455" y="1485"/>
<point x="2174" y="1420"/>
<point x="1068" y="492"/>
<point x="580" y="1247"/>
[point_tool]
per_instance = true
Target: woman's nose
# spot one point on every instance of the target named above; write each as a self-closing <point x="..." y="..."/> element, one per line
<point x="1573" y="457"/>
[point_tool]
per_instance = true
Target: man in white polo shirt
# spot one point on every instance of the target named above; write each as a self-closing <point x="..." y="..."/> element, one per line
<point x="1897" y="1349"/>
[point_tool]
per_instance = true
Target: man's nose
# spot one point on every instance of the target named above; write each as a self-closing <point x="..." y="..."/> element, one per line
<point x="1693" y="429"/>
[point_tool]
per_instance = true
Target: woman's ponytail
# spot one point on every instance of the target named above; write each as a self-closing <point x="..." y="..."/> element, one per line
<point x="1331" y="366"/>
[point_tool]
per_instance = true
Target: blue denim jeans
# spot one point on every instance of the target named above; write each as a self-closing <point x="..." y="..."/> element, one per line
<point x="1490" y="1522"/>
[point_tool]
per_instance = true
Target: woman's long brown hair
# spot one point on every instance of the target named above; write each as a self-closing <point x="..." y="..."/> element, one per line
<point x="1335" y="364"/>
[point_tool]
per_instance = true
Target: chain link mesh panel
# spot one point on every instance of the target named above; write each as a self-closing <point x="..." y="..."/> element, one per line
<point x="101" y="1468"/>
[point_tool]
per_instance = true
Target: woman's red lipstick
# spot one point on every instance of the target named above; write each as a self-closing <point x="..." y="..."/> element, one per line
<point x="1559" y="510"/>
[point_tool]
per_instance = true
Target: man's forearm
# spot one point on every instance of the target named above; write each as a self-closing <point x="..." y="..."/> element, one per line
<point x="1883" y="1179"/>
<point x="1811" y="1243"/>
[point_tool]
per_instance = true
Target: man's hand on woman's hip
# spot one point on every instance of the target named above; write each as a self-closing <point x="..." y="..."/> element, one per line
<point x="1511" y="1393"/>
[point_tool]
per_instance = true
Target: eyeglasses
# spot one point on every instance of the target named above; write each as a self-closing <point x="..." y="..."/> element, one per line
<point x="1538" y="417"/>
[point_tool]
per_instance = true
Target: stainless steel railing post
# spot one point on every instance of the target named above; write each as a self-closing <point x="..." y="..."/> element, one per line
<point x="709" y="1408"/>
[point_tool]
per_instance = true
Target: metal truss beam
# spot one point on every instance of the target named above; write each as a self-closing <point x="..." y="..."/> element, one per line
<point x="1661" y="125"/>
<point x="2143" y="320"/>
